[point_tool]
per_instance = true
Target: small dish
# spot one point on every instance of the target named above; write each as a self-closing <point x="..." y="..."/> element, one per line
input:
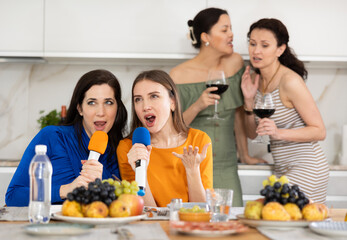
<point x="58" y="229"/>
<point x="333" y="229"/>
<point x="195" y="217"/>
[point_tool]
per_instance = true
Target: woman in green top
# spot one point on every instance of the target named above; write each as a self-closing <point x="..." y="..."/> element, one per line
<point x="211" y="33"/>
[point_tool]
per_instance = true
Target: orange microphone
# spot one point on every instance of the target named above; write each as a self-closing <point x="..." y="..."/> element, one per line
<point x="97" y="144"/>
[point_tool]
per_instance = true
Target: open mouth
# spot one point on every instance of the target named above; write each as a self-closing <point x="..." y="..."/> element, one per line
<point x="100" y="125"/>
<point x="150" y="118"/>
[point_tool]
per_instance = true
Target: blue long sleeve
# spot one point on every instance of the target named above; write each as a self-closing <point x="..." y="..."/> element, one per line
<point x="65" y="154"/>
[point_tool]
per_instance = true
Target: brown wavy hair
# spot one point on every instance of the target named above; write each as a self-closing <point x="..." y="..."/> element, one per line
<point x="288" y="58"/>
<point x="164" y="79"/>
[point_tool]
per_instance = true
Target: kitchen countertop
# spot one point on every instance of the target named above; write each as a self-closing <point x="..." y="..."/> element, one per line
<point x="14" y="163"/>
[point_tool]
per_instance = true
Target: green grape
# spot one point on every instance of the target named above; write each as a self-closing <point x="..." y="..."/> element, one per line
<point x="195" y="208"/>
<point x="117" y="184"/>
<point x="133" y="192"/>
<point x="125" y="183"/>
<point x="283" y="179"/>
<point x="135" y="188"/>
<point x="265" y="183"/>
<point x="183" y="209"/>
<point x="110" y="181"/>
<point x="272" y="178"/>
<point x="127" y="190"/>
<point x="133" y="183"/>
<point x="118" y="192"/>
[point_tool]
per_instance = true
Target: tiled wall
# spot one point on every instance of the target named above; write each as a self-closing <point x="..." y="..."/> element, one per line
<point x="25" y="89"/>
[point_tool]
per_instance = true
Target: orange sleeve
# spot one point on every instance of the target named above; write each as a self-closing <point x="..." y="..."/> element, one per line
<point x="126" y="172"/>
<point x="206" y="166"/>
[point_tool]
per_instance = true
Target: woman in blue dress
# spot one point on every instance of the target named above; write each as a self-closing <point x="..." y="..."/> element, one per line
<point x="95" y="105"/>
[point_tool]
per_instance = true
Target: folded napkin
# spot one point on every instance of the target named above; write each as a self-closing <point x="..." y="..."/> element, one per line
<point x="292" y="233"/>
<point x="14" y="214"/>
<point x="20" y="213"/>
<point x="156" y="213"/>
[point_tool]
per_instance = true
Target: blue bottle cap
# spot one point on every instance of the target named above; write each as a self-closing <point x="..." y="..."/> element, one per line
<point x="141" y="193"/>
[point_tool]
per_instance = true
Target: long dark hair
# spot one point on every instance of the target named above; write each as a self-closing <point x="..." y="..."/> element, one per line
<point x="164" y="79"/>
<point x="288" y="58"/>
<point x="98" y="77"/>
<point x="203" y="22"/>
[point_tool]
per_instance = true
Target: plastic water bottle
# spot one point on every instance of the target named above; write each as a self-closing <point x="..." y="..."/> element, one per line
<point x="40" y="172"/>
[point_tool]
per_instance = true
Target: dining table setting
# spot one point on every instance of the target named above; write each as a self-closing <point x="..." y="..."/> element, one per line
<point x="154" y="223"/>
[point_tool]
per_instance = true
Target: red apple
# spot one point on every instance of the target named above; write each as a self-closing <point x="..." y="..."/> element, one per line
<point x="134" y="202"/>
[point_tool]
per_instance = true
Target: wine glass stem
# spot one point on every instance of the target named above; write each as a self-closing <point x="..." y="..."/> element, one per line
<point x="215" y="107"/>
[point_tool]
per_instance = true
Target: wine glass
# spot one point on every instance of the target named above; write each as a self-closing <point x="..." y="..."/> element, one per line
<point x="216" y="78"/>
<point x="264" y="109"/>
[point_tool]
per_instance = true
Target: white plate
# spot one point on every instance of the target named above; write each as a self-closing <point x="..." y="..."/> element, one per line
<point x="97" y="221"/>
<point x="58" y="229"/>
<point x="208" y="229"/>
<point x="335" y="229"/>
<point x="192" y="204"/>
<point x="272" y="224"/>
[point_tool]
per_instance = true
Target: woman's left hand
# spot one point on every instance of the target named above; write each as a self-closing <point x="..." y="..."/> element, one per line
<point x="267" y="126"/>
<point x="92" y="169"/>
<point x="191" y="159"/>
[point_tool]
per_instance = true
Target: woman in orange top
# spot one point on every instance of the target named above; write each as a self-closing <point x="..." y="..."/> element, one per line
<point x="175" y="169"/>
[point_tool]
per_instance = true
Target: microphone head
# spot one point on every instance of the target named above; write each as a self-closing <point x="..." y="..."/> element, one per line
<point x="141" y="135"/>
<point x="98" y="142"/>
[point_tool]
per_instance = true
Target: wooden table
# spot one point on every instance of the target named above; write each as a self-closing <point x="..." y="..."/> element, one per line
<point x="252" y="233"/>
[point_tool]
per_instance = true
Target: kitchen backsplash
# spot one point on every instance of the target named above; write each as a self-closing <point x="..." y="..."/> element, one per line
<point x="28" y="88"/>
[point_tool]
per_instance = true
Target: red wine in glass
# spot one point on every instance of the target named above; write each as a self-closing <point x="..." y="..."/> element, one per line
<point x="264" y="108"/>
<point x="264" y="113"/>
<point x="221" y="88"/>
<point x="216" y="78"/>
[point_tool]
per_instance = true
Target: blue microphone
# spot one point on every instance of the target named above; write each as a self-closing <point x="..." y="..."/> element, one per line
<point x="141" y="135"/>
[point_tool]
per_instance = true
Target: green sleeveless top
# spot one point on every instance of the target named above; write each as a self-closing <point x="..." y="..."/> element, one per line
<point x="221" y="132"/>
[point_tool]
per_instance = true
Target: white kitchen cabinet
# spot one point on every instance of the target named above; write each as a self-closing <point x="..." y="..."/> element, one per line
<point x="316" y="28"/>
<point x="124" y="29"/>
<point x="21" y="28"/>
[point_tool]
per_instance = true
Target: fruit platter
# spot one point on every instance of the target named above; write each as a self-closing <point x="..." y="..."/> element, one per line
<point x="283" y="205"/>
<point x="103" y="202"/>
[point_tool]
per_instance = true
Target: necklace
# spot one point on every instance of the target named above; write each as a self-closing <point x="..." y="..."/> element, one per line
<point x="273" y="76"/>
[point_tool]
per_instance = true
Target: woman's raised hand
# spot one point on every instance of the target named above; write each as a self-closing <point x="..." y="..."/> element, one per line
<point x="207" y="98"/>
<point x="191" y="159"/>
<point x="139" y="151"/>
<point x="249" y="88"/>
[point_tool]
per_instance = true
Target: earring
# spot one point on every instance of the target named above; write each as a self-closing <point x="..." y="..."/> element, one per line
<point x="206" y="44"/>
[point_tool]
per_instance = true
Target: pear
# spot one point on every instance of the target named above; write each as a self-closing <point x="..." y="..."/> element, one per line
<point x="253" y="209"/>
<point x="315" y="212"/>
<point x="97" y="209"/>
<point x="275" y="211"/>
<point x="71" y="209"/>
<point x="119" y="209"/>
<point x="293" y="210"/>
